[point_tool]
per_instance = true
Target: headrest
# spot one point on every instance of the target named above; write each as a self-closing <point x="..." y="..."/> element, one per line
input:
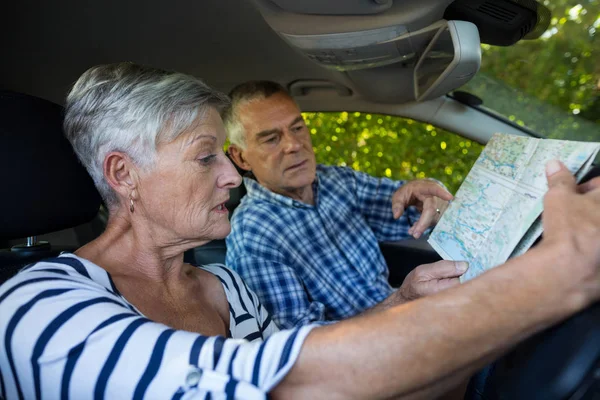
<point x="43" y="187"/>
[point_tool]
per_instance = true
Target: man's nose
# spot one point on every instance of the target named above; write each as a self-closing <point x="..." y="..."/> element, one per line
<point x="291" y="142"/>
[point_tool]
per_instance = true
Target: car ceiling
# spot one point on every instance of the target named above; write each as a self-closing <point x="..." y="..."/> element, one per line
<point x="47" y="45"/>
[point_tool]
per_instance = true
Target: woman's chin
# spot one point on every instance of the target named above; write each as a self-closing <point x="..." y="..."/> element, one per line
<point x="216" y="230"/>
<point x="221" y="231"/>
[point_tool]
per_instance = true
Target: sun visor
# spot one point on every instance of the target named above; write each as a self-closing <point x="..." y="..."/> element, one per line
<point x="450" y="60"/>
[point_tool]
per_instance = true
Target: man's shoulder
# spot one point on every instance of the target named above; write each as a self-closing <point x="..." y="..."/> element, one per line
<point x="253" y="222"/>
<point x="254" y="210"/>
<point x="334" y="171"/>
<point x="332" y="174"/>
<point x="336" y="178"/>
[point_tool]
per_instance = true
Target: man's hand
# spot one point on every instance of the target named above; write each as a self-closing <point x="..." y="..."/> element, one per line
<point x="428" y="196"/>
<point x="428" y="279"/>
<point x="424" y="280"/>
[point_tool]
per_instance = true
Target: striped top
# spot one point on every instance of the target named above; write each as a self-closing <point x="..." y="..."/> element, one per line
<point x="66" y="332"/>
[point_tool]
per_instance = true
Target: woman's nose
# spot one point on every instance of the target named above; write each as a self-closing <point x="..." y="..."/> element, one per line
<point x="229" y="178"/>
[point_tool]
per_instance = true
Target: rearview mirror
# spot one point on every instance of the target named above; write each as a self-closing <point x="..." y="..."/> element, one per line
<point x="449" y="61"/>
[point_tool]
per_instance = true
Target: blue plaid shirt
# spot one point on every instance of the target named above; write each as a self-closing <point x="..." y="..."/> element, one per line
<point x="317" y="263"/>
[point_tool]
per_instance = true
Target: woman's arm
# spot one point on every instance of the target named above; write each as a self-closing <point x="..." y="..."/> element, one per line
<point x="416" y="345"/>
<point x="440" y="339"/>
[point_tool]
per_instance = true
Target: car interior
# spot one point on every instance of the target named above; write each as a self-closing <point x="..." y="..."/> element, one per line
<point x="405" y="58"/>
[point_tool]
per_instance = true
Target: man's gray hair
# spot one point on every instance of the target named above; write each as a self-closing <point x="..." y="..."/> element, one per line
<point x="241" y="94"/>
<point x="131" y="108"/>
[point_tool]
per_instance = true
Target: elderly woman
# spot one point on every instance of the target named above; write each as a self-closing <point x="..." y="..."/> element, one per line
<point x="125" y="317"/>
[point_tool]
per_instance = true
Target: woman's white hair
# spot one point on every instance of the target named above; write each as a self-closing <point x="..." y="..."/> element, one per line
<point x="131" y="108"/>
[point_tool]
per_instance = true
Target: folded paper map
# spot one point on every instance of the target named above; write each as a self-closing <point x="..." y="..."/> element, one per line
<point x="496" y="212"/>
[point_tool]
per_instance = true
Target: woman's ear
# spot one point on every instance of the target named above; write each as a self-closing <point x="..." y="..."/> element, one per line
<point x="237" y="155"/>
<point x="120" y="173"/>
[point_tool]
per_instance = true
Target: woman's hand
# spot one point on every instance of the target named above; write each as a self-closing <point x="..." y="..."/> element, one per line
<point x="571" y="221"/>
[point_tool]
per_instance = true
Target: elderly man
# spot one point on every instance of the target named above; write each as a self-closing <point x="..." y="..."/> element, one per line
<point x="305" y="237"/>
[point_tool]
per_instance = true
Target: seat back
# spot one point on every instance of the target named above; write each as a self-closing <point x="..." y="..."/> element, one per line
<point x="45" y="188"/>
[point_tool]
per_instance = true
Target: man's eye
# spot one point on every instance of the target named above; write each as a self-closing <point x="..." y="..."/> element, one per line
<point x="270" y="139"/>
<point x="207" y="160"/>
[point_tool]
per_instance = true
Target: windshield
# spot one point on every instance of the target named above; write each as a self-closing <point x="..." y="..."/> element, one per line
<point x="551" y="84"/>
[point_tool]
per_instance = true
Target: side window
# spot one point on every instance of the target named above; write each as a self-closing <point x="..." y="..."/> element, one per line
<point x="395" y="147"/>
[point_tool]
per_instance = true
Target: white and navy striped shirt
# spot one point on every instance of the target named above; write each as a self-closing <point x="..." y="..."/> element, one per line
<point x="66" y="332"/>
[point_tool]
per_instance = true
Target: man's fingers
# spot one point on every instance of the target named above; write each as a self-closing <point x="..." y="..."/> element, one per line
<point x="559" y="176"/>
<point x="416" y="193"/>
<point x="426" y="220"/>
<point x="442" y="206"/>
<point x="397" y="210"/>
<point x="433" y="189"/>
<point x="444" y="284"/>
<point x="428" y="217"/>
<point x="400" y="200"/>
<point x="441" y="270"/>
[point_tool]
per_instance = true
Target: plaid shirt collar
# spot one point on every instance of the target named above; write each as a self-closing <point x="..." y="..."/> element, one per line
<point x="258" y="192"/>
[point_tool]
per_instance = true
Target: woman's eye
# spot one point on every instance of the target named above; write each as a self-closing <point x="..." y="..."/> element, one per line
<point x="207" y="160"/>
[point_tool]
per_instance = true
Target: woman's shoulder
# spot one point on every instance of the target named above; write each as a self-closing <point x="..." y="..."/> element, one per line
<point x="228" y="277"/>
<point x="65" y="267"/>
<point x="248" y="318"/>
<point x="238" y="293"/>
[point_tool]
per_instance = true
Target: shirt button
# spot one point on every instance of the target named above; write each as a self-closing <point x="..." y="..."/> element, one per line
<point x="193" y="377"/>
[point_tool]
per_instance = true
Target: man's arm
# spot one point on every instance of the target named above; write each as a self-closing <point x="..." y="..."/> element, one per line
<point x="428" y="345"/>
<point x="280" y="290"/>
<point x="374" y="201"/>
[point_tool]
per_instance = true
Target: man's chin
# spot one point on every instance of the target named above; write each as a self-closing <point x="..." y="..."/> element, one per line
<point x="306" y="171"/>
<point x="302" y="180"/>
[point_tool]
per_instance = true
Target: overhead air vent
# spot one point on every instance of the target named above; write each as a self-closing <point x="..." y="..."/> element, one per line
<point x="334" y="7"/>
<point x="502" y="22"/>
<point x="496" y="10"/>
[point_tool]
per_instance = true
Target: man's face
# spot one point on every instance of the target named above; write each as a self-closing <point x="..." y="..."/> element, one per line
<point x="278" y="146"/>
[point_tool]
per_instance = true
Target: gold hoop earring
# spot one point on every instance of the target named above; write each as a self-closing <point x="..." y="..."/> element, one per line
<point x="131" y="205"/>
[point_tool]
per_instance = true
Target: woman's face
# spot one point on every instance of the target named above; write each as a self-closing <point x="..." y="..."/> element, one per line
<point x="183" y="196"/>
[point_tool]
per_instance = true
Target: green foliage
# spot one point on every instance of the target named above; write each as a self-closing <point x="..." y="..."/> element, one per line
<point x="551" y="85"/>
<point x="384" y="145"/>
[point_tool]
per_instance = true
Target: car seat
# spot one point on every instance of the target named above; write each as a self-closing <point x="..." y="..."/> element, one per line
<point x="44" y="187"/>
